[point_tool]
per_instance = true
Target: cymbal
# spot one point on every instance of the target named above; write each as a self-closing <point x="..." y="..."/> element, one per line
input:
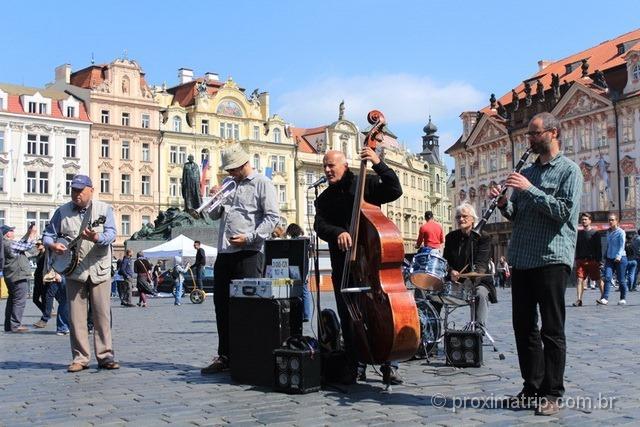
<point x="474" y="275"/>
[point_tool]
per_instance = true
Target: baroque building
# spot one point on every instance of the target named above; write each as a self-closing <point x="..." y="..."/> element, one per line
<point x="596" y="96"/>
<point x="44" y="142"/>
<point x="125" y="139"/>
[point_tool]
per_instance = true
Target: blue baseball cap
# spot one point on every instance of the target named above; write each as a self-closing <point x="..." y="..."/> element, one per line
<point x="5" y="229"/>
<point x="79" y="182"/>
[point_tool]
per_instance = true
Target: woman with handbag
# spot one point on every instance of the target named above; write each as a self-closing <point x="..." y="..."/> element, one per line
<point x="142" y="267"/>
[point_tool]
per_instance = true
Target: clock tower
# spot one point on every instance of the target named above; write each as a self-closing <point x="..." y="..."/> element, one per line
<point x="430" y="147"/>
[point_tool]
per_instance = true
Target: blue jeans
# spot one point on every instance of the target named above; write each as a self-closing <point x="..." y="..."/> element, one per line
<point x="57" y="291"/>
<point x="632" y="273"/>
<point x="620" y="269"/>
<point x="177" y="291"/>
<point x="307" y="302"/>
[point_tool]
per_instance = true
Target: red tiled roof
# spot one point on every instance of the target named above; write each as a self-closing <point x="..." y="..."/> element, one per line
<point x="602" y="57"/>
<point x="185" y="93"/>
<point x="300" y="134"/>
<point x="89" y="77"/>
<point x="14" y="104"/>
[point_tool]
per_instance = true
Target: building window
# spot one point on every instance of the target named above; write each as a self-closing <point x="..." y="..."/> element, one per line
<point x="126" y="225"/>
<point x="256" y="162"/>
<point x="32" y="218"/>
<point x="182" y="155"/>
<point x="44" y="145"/>
<point x="70" y="148"/>
<point x="104" y="148"/>
<point x="437" y="183"/>
<point x="282" y="194"/>
<point x="204" y="155"/>
<point x="42" y="108"/>
<point x="146" y="219"/>
<point x="125" y="119"/>
<point x="43" y="183"/>
<point x="31" y="182"/>
<point x="43" y="218"/>
<point x="277" y="138"/>
<point x="1" y="141"/>
<point x="32" y="144"/>
<point x="413" y="181"/>
<point x="3" y="215"/>
<point x="636" y="72"/>
<point x="146" y="185"/>
<point x="71" y="111"/>
<point x="146" y="153"/>
<point x="256" y="133"/>
<point x="126" y="184"/>
<point x="146" y="120"/>
<point x="173" y="154"/>
<point x="173" y="187"/>
<point x="67" y="183"/>
<point x="204" y="127"/>
<point x="311" y="209"/>
<point x="104" y="117"/>
<point x="125" y="150"/>
<point x="33" y="107"/>
<point x="177" y="124"/>
<point x="627" y="128"/>
<point x="105" y="182"/>
<point x="493" y="164"/>
<point x="310" y="177"/>
<point x="278" y="163"/>
<point x="1" y="180"/>
<point x="37" y="145"/>
<point x="230" y="131"/>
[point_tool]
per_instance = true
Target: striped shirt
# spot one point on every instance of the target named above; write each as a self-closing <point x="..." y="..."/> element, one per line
<point x="545" y="216"/>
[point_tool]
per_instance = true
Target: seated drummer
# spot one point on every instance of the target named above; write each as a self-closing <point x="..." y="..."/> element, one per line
<point x="458" y="245"/>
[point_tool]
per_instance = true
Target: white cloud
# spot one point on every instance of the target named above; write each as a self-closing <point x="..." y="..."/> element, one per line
<point x="404" y="99"/>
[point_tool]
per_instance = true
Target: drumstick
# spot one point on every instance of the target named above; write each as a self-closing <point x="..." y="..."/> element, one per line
<point x="463" y="269"/>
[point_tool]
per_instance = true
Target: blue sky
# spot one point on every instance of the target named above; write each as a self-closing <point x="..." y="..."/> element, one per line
<point x="408" y="59"/>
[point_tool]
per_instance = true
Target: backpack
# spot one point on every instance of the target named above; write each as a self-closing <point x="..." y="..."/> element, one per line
<point x="175" y="274"/>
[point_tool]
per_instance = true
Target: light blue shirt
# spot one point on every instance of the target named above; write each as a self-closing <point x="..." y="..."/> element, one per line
<point x="615" y="243"/>
<point x="105" y="238"/>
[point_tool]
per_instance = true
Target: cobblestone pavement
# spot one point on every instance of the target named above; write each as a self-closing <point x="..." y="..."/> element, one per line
<point x="162" y="348"/>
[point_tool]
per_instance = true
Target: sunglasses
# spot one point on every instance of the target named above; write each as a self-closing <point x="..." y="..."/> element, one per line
<point x="537" y="132"/>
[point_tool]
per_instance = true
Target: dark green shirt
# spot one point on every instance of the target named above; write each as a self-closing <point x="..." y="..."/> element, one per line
<point x="545" y="217"/>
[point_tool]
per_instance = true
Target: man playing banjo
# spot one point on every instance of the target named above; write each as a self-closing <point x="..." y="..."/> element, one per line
<point x="91" y="277"/>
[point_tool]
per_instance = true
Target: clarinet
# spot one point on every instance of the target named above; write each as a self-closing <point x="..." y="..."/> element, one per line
<point x="494" y="202"/>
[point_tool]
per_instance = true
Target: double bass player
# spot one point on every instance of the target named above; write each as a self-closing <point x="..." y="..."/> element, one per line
<point x="332" y="222"/>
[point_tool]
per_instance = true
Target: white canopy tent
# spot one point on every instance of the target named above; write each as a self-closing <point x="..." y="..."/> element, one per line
<point x="180" y="246"/>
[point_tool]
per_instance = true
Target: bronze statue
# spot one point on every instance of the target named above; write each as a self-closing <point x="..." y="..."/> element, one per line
<point x="191" y="185"/>
<point x="341" y="111"/>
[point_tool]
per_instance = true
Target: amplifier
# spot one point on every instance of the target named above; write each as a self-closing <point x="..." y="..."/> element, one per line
<point x="463" y="348"/>
<point x="256" y="328"/>
<point x="297" y="371"/>
<point x="265" y="288"/>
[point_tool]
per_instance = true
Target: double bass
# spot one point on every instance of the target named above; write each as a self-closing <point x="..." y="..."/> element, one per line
<point x="383" y="312"/>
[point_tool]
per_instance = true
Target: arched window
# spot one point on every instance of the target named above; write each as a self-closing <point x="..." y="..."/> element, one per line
<point x="636" y="72"/>
<point x="277" y="138"/>
<point x="256" y="162"/>
<point x="177" y="124"/>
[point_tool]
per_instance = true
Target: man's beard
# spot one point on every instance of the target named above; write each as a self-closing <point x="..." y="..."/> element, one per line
<point x="541" y="147"/>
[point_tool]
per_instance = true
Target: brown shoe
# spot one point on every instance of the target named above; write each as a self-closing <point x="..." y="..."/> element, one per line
<point x="219" y="364"/>
<point x="40" y="324"/>
<point x="109" y="365"/>
<point x="20" y="329"/>
<point x="76" y="367"/>
<point x="548" y="407"/>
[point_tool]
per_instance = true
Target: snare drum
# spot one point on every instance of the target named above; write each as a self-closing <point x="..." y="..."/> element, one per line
<point x="453" y="293"/>
<point x="427" y="272"/>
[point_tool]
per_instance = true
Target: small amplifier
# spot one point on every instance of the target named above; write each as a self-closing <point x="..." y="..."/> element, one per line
<point x="297" y="371"/>
<point x="265" y="288"/>
<point x="463" y="348"/>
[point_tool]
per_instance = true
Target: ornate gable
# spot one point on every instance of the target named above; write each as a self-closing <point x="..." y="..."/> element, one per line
<point x="578" y="101"/>
<point x="487" y="130"/>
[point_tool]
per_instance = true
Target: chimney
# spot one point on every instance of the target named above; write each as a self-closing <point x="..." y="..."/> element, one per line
<point x="212" y="77"/>
<point x="185" y="75"/>
<point x="63" y="73"/>
<point x="544" y="63"/>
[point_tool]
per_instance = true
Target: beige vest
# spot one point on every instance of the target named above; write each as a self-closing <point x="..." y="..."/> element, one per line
<point x="94" y="260"/>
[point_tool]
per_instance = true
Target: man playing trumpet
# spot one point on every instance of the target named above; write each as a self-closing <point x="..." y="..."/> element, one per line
<point x="247" y="218"/>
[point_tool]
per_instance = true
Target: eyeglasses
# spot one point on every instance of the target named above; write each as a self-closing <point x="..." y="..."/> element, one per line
<point x="537" y="132"/>
<point x="462" y="216"/>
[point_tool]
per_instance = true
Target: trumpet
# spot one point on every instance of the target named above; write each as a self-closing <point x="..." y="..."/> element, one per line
<point x="228" y="188"/>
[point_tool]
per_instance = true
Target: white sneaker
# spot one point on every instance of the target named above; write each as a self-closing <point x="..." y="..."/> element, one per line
<point x="602" y="301"/>
<point x="622" y="302"/>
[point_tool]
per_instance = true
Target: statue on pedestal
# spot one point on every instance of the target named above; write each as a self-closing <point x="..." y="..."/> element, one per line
<point x="191" y="185"/>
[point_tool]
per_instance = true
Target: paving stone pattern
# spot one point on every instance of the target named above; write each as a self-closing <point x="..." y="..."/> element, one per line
<point x="162" y="348"/>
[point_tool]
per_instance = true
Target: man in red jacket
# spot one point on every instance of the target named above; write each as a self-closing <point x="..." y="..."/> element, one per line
<point x="430" y="235"/>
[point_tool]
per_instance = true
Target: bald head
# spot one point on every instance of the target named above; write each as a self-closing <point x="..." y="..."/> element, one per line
<point x="335" y="165"/>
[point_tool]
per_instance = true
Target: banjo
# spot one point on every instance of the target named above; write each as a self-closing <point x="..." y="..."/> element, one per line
<point x="67" y="261"/>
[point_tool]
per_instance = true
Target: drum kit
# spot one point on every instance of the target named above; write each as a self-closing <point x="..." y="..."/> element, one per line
<point x="426" y="275"/>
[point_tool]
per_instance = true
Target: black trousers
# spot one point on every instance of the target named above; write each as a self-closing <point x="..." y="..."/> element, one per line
<point x="228" y="267"/>
<point x="541" y="352"/>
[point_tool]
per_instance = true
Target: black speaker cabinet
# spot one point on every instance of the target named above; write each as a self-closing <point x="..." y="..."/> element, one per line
<point x="463" y="348"/>
<point x="258" y="326"/>
<point x="295" y="250"/>
<point x="297" y="371"/>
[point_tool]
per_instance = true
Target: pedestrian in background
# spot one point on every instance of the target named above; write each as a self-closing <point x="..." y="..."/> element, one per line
<point x="17" y="272"/>
<point x="142" y="268"/>
<point x="128" y="279"/>
<point x="177" y="273"/>
<point x="616" y="260"/>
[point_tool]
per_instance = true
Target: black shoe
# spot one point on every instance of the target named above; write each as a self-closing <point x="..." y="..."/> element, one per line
<point x="523" y="400"/>
<point x="390" y="375"/>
